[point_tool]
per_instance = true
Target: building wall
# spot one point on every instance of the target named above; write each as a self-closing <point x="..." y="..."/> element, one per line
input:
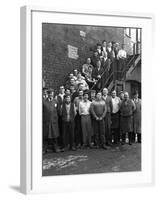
<point x="56" y="38"/>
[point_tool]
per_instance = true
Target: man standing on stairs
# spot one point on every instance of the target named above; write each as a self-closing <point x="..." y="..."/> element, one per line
<point x="127" y="109"/>
<point x="121" y="56"/>
<point x="85" y="67"/>
<point x="105" y="63"/>
<point x="97" y="75"/>
<point x="107" y="119"/>
<point x="94" y="59"/>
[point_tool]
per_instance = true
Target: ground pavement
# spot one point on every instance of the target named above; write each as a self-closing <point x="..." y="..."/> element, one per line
<point x="116" y="159"/>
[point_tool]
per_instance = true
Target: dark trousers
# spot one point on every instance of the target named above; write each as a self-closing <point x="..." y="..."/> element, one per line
<point x="51" y="144"/>
<point x="99" y="131"/>
<point x="78" y="130"/>
<point x="86" y="129"/>
<point x="60" y="131"/>
<point x="133" y="136"/>
<point x="68" y="134"/>
<point x="139" y="137"/>
<point x="116" y="135"/>
<point x="108" y="134"/>
<point x="129" y="137"/>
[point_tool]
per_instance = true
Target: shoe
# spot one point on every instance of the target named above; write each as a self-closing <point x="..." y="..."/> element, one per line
<point x="62" y="150"/>
<point x="104" y="147"/>
<point x="73" y="149"/>
<point x="57" y="150"/>
<point x="83" y="146"/>
<point x="90" y="146"/>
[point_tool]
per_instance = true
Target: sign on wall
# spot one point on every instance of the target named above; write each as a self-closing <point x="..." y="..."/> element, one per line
<point x="82" y="34"/>
<point x="72" y="52"/>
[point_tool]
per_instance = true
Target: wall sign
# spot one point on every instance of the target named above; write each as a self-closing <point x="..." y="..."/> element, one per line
<point x="72" y="52"/>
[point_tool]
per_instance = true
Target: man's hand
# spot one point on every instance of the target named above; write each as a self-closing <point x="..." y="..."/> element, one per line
<point x="97" y="118"/>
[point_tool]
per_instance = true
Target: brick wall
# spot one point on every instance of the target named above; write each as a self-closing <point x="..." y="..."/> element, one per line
<point x="56" y="63"/>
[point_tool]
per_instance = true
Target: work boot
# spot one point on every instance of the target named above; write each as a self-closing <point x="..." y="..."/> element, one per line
<point x="130" y="138"/>
<point x="104" y="147"/>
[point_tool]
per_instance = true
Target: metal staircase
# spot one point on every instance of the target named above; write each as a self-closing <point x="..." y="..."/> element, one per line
<point x="112" y="82"/>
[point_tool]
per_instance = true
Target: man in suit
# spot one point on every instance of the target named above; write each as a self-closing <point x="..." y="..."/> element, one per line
<point x="115" y="117"/>
<point x="78" y="128"/>
<point x="105" y="63"/>
<point x="59" y="98"/>
<point x="109" y="106"/>
<point x="94" y="59"/>
<point x="97" y="75"/>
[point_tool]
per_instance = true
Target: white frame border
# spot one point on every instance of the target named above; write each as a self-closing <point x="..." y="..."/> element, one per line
<point x="26" y="83"/>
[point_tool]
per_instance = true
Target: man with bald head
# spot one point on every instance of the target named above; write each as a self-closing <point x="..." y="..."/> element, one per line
<point x="115" y="117"/>
<point x="127" y="109"/>
<point x="107" y="119"/>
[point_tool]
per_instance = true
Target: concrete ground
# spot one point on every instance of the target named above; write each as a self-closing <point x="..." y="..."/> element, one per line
<point x="116" y="159"/>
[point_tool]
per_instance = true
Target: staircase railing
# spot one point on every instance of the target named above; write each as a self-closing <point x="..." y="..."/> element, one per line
<point x="113" y="75"/>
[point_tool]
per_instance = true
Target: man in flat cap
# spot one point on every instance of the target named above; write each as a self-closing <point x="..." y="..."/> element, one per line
<point x="51" y="118"/>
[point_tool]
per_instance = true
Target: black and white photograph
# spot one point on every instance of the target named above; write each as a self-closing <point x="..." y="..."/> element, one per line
<point x="91" y="99"/>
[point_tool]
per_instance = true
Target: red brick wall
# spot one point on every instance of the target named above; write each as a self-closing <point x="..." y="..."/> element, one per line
<point x="56" y="63"/>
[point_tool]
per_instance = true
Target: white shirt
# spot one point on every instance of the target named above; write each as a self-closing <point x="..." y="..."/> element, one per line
<point x="116" y="103"/>
<point x="121" y="53"/>
<point x="68" y="111"/>
<point x="84" y="107"/>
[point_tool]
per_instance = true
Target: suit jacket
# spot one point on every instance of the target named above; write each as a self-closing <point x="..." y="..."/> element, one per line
<point x="109" y="104"/>
<point x="110" y="54"/>
<point x="96" y="72"/>
<point x="71" y="112"/>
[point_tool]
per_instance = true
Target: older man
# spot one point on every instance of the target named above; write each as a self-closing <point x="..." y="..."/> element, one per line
<point x="97" y="75"/>
<point x="127" y="109"/>
<point x="109" y="106"/>
<point x="115" y="117"/>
